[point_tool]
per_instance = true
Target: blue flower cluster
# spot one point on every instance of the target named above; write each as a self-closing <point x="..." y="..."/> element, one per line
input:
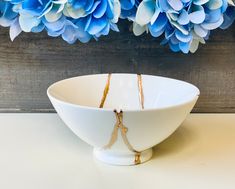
<point x="184" y="23"/>
<point x="71" y="19"/>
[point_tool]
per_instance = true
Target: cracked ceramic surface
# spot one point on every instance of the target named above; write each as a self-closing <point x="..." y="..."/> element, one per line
<point x="147" y="110"/>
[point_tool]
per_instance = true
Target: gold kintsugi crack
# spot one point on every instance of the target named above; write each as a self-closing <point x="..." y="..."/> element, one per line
<point x="141" y="92"/>
<point x="106" y="91"/>
<point x="119" y="125"/>
<point x="137" y="158"/>
<point x="119" y="120"/>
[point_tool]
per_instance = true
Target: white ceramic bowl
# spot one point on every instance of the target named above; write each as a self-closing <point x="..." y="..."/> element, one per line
<point x="148" y="110"/>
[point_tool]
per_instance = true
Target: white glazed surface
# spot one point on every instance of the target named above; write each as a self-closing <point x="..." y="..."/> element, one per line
<point x="167" y="102"/>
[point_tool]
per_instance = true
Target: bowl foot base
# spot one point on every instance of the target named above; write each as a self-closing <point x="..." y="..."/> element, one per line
<point x="110" y="157"/>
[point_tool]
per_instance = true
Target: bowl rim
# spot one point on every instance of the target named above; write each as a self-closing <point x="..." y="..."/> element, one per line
<point x="197" y="94"/>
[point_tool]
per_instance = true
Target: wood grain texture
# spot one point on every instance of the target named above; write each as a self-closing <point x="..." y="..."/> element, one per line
<point x="34" y="61"/>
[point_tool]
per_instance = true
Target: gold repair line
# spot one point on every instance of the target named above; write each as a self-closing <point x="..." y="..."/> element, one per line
<point x="105" y="93"/>
<point x="119" y="125"/>
<point x="114" y="135"/>
<point x="141" y="93"/>
<point x="137" y="158"/>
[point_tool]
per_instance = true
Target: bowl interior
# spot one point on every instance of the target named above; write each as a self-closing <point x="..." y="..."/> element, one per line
<point x="123" y="91"/>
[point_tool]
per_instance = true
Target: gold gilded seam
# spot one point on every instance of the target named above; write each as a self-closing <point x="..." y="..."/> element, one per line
<point x="119" y="125"/>
<point x="106" y="91"/>
<point x="141" y="93"/>
<point x="137" y="158"/>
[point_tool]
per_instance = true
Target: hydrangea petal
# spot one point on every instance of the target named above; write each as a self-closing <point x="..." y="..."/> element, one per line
<point x="116" y="11"/>
<point x="200" y="2"/>
<point x="138" y="29"/>
<point x="27" y="22"/>
<point x="96" y="25"/>
<point x="101" y="9"/>
<point x="145" y="12"/>
<point x="194" y="46"/>
<point x="214" y="4"/>
<point x="183" y="38"/>
<point x="183" y="18"/>
<point x="15" y="30"/>
<point x="214" y="25"/>
<point x="127" y="4"/>
<point x="197" y="15"/>
<point x="157" y="28"/>
<point x="184" y="47"/>
<point x="155" y="16"/>
<point x="200" y="31"/>
<point x="176" y="4"/>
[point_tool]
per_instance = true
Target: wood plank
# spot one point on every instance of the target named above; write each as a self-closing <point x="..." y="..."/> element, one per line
<point x="34" y="61"/>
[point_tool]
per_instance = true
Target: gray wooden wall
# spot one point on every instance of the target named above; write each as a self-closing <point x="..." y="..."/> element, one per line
<point x="34" y="61"/>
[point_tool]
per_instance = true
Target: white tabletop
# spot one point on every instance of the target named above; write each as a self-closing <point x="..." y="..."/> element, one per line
<point x="37" y="151"/>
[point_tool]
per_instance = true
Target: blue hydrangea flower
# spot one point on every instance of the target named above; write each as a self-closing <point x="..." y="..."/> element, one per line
<point x="93" y="17"/>
<point x="185" y="23"/>
<point x="71" y="19"/>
